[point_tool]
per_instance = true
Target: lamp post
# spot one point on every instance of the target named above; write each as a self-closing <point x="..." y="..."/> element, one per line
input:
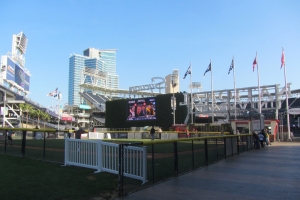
<point x="173" y="99"/>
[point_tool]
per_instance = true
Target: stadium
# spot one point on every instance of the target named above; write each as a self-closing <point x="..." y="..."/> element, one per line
<point x="199" y="128"/>
<point x="91" y="98"/>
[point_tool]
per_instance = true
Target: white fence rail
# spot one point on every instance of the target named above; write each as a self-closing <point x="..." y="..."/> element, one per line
<point x="104" y="157"/>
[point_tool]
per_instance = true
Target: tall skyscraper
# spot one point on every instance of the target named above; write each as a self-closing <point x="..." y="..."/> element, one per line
<point x="102" y="60"/>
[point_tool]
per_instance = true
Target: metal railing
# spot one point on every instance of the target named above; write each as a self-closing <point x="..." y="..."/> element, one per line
<point x="31" y="142"/>
<point x="171" y="158"/>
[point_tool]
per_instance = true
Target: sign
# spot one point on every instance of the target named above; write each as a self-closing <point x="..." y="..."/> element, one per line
<point x="294" y="111"/>
<point x="84" y="107"/>
<point x="66" y="118"/>
<point x="149" y="86"/>
<point x="204" y="116"/>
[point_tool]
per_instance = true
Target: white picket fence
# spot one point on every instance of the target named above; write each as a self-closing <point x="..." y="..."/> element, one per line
<point x="104" y="157"/>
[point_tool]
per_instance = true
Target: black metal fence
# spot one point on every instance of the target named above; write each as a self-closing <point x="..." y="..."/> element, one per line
<point x="43" y="144"/>
<point x="170" y="159"/>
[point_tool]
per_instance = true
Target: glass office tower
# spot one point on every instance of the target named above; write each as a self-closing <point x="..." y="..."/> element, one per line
<point x="102" y="60"/>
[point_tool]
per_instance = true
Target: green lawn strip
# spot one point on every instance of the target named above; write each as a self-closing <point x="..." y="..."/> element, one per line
<point x="49" y="143"/>
<point x="23" y="178"/>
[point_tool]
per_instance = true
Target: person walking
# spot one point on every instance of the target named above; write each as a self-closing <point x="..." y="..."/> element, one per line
<point x="263" y="132"/>
<point x="79" y="132"/>
<point x="159" y="131"/>
<point x="152" y="132"/>
<point x="261" y="139"/>
<point x="255" y="140"/>
<point x="267" y="137"/>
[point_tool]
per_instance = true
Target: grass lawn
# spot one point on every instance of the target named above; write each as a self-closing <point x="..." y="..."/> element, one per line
<point x="27" y="178"/>
<point x="23" y="178"/>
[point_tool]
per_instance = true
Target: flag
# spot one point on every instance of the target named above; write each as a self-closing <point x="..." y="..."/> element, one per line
<point x="282" y="59"/>
<point x="231" y="66"/>
<point x="187" y="72"/>
<point x="53" y="93"/>
<point x="208" y="68"/>
<point x="254" y="63"/>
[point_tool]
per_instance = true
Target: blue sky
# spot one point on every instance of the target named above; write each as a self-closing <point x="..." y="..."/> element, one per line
<point x="154" y="37"/>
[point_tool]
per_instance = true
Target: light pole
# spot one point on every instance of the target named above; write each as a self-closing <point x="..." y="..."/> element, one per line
<point x="173" y="99"/>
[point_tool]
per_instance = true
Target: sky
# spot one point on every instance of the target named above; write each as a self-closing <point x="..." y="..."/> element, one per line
<point x="154" y="37"/>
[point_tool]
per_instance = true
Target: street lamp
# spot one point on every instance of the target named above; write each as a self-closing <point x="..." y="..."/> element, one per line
<point x="173" y="99"/>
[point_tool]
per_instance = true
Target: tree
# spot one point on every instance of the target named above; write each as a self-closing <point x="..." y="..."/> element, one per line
<point x="45" y="117"/>
<point x="38" y="113"/>
<point x="26" y="108"/>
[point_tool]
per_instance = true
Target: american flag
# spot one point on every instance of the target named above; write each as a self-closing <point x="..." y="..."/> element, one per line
<point x="53" y="93"/>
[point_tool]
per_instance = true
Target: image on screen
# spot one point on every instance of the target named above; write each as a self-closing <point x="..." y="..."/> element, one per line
<point x="141" y="109"/>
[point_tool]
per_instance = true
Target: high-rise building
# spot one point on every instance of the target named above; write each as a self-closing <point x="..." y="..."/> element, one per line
<point x="102" y="60"/>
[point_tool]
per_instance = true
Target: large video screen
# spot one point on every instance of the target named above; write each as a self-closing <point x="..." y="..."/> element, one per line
<point x="17" y="74"/>
<point x="141" y="109"/>
<point x="10" y="70"/>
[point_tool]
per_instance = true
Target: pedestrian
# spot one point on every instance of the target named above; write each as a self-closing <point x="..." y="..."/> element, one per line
<point x="267" y="138"/>
<point x="34" y="133"/>
<point x="261" y="139"/>
<point x="263" y="132"/>
<point x="238" y="133"/>
<point x="78" y="133"/>
<point x="255" y="140"/>
<point x="9" y="134"/>
<point x="187" y="133"/>
<point x="159" y="131"/>
<point x="152" y="132"/>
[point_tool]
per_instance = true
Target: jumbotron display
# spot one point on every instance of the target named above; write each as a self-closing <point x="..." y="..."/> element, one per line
<point x="141" y="109"/>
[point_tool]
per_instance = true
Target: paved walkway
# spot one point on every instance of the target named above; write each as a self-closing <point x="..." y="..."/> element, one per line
<point x="269" y="173"/>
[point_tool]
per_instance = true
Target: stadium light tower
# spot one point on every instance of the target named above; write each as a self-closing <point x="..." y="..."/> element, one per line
<point x="19" y="46"/>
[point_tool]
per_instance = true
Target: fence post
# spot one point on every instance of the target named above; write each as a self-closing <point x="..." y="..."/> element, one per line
<point x="5" y="140"/>
<point x="23" y="142"/>
<point x="66" y="151"/>
<point x="99" y="157"/>
<point x="152" y="152"/>
<point x="238" y="145"/>
<point x="217" y="149"/>
<point x="120" y="177"/>
<point x="175" y="159"/>
<point x="225" y="146"/>
<point x="231" y="146"/>
<point x="145" y="164"/>
<point x="193" y="159"/>
<point x="206" y="152"/>
<point x="44" y="152"/>
<point x="243" y="138"/>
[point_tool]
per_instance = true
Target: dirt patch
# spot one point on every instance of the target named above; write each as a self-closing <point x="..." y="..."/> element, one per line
<point x="91" y="178"/>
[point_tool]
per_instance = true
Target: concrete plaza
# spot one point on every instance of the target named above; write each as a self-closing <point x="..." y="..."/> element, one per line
<point x="267" y="173"/>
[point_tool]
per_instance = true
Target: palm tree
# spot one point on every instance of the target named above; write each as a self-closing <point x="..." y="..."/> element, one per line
<point x="32" y="115"/>
<point x="26" y="108"/>
<point x="38" y="113"/>
<point x="45" y="117"/>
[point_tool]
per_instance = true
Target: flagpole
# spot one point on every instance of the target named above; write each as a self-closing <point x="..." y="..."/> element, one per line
<point x="287" y="102"/>
<point x="234" y="88"/>
<point x="212" y="94"/>
<point x="259" y="98"/>
<point x="192" y="103"/>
